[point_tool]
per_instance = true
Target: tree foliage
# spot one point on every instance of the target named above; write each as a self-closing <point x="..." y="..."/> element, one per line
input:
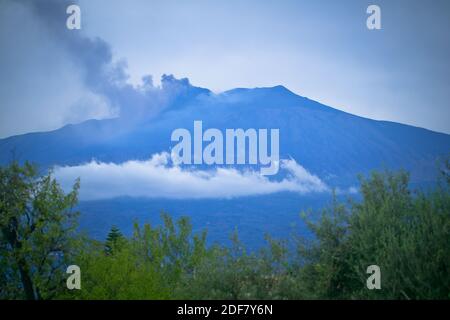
<point x="37" y="224"/>
<point x="114" y="241"/>
<point x="405" y="232"/>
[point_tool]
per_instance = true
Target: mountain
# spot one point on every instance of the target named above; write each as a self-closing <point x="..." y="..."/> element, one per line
<point x="330" y="143"/>
<point x="334" y="145"/>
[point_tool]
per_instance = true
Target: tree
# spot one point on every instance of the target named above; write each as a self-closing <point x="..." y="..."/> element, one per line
<point x="37" y="224"/>
<point x="114" y="240"/>
<point x="148" y="265"/>
<point x="405" y="232"/>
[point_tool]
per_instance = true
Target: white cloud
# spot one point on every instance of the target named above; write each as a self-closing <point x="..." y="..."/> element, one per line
<point x="158" y="177"/>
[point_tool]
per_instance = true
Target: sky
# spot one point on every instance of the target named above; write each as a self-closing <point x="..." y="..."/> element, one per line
<point x="51" y="76"/>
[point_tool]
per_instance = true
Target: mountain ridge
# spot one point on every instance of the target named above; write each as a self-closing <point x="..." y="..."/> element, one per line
<point x="327" y="141"/>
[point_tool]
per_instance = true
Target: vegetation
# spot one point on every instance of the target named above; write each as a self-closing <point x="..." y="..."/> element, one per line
<point x="405" y="232"/>
<point x="37" y="235"/>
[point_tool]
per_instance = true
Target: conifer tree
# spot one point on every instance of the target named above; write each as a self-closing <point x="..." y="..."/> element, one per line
<point x="114" y="240"/>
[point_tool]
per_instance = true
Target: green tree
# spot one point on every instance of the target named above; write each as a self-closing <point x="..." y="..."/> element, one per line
<point x="172" y="247"/>
<point x="114" y="241"/>
<point x="405" y="232"/>
<point x="122" y="275"/>
<point x="37" y="224"/>
<point x="149" y="265"/>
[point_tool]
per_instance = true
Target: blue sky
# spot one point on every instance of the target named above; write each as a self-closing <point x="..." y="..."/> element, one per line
<point x="318" y="49"/>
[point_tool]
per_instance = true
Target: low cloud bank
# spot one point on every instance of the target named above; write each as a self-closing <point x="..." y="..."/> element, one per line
<point x="158" y="177"/>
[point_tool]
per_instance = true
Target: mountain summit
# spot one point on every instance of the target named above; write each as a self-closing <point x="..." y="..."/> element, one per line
<point x="333" y="144"/>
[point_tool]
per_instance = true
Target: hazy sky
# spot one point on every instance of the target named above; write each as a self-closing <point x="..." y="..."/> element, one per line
<point x="319" y="49"/>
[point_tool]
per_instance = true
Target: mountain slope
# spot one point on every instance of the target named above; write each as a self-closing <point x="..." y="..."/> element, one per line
<point x="334" y="145"/>
<point x="330" y="143"/>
